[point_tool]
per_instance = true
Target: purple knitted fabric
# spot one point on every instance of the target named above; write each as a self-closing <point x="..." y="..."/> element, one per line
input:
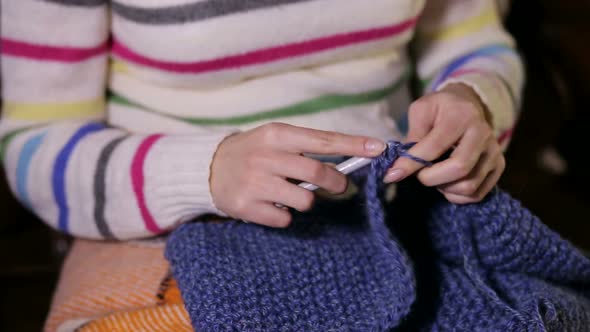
<point x="430" y="266"/>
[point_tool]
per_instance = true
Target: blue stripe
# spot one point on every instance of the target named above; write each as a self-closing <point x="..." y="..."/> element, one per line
<point x="461" y="61"/>
<point x="59" y="172"/>
<point x="22" y="169"/>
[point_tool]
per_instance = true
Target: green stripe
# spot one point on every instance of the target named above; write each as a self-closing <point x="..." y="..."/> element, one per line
<point x="6" y="139"/>
<point x="316" y="105"/>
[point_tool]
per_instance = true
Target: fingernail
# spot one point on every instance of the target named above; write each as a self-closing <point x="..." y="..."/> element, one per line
<point x="374" y="145"/>
<point x="394" y="176"/>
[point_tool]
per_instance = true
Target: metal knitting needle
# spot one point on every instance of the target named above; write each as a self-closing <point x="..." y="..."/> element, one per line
<point x="346" y="167"/>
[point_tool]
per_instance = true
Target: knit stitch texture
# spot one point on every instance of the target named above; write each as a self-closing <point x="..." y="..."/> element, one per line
<point x="430" y="266"/>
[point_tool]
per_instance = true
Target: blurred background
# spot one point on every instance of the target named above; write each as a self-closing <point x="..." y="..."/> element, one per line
<point x="546" y="169"/>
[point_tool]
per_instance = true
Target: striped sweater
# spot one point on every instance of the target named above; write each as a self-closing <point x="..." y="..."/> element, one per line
<point x="113" y="109"/>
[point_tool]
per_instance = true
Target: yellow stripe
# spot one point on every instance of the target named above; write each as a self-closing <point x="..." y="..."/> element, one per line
<point x="53" y="111"/>
<point x="464" y="28"/>
<point x="118" y="66"/>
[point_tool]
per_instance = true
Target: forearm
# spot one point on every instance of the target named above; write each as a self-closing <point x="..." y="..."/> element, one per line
<point x="62" y="161"/>
<point x="89" y="180"/>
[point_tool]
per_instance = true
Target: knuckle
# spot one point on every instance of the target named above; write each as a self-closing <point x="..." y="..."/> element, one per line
<point x="439" y="147"/>
<point x="425" y="179"/>
<point x="461" y="168"/>
<point x="241" y="205"/>
<point x="421" y="103"/>
<point x="467" y="188"/>
<point x="272" y="131"/>
<point x="486" y="132"/>
<point x="418" y="108"/>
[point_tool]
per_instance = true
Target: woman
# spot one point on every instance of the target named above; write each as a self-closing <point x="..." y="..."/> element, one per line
<point x="123" y="119"/>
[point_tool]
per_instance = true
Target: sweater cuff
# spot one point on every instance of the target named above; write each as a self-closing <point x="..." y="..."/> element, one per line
<point x="493" y="93"/>
<point x="177" y="171"/>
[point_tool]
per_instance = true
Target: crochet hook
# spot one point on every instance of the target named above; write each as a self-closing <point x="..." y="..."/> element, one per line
<point x="346" y="167"/>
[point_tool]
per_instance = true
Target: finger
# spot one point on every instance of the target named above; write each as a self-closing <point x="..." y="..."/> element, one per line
<point x="265" y="213"/>
<point x="470" y="184"/>
<point x="488" y="184"/>
<point x="433" y="145"/>
<point x="288" y="194"/>
<point x="305" y="140"/>
<point x="492" y="180"/>
<point x="420" y="120"/>
<point x="467" y="160"/>
<point x="309" y="170"/>
<point x="421" y="117"/>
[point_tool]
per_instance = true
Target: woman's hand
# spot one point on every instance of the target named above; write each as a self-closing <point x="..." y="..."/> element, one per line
<point x="452" y="118"/>
<point x="250" y="170"/>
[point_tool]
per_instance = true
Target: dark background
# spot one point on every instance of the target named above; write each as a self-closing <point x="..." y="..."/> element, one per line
<point x="554" y="39"/>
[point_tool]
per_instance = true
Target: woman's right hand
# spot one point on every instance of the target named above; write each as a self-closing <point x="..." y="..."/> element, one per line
<point x="250" y="170"/>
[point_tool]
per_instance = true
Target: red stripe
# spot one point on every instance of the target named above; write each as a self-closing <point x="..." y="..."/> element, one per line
<point x="466" y="71"/>
<point x="138" y="181"/>
<point x="505" y="135"/>
<point x="267" y="54"/>
<point x="42" y="52"/>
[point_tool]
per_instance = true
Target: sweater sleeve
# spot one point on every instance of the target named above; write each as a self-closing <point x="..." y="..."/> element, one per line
<point x="61" y="159"/>
<point x="463" y="41"/>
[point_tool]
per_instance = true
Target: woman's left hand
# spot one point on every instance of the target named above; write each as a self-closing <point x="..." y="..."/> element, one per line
<point x="453" y="118"/>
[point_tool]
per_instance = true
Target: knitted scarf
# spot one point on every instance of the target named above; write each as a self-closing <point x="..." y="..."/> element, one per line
<point x="429" y="266"/>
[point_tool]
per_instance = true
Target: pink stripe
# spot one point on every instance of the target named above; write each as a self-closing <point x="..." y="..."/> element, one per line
<point x="505" y="135"/>
<point x="267" y="54"/>
<point x="42" y="52"/>
<point x="466" y="71"/>
<point x="137" y="179"/>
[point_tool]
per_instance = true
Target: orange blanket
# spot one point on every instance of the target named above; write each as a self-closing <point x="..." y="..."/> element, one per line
<point x="116" y="287"/>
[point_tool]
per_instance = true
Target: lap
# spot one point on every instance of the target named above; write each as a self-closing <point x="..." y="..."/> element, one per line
<point x="106" y="279"/>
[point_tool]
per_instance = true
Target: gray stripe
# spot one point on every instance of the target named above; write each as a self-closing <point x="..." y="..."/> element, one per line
<point x="81" y="3"/>
<point x="100" y="188"/>
<point x="193" y="12"/>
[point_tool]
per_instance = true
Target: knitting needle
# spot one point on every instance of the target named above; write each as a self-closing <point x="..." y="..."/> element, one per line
<point x="346" y="167"/>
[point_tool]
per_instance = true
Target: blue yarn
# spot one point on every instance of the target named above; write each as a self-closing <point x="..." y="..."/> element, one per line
<point x="493" y="266"/>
